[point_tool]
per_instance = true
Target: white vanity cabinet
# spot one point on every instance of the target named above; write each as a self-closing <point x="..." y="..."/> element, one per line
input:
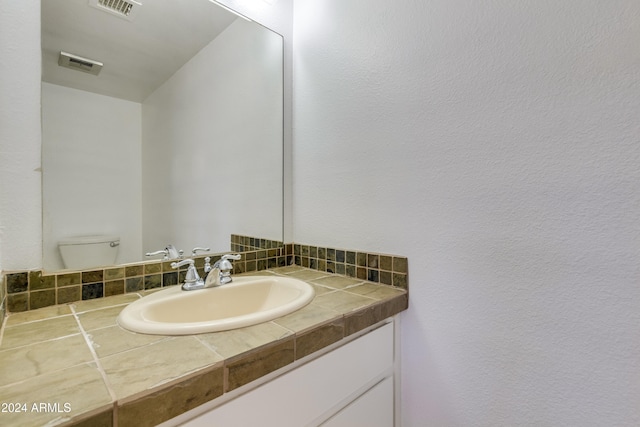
<point x="351" y="385"/>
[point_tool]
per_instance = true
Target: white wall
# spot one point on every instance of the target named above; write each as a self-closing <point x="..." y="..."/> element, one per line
<point x="201" y="161"/>
<point x="496" y="144"/>
<point x="85" y="138"/>
<point x="20" y="205"/>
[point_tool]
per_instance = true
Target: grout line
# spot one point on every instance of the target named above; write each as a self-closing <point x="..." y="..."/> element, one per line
<point x="149" y="344"/>
<point x="40" y="342"/>
<point x="99" y="308"/>
<point x="51" y="317"/>
<point x="210" y="348"/>
<point x="2" y="326"/>
<point x="89" y="342"/>
<point x="24" y="380"/>
<point x="364" y="296"/>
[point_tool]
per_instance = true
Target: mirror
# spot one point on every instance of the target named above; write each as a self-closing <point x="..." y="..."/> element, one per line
<point x="177" y="140"/>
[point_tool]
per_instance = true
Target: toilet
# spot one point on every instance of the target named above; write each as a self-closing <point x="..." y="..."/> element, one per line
<point x="79" y="253"/>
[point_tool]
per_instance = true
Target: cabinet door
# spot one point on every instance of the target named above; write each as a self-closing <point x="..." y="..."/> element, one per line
<point x="313" y="392"/>
<point x="372" y="409"/>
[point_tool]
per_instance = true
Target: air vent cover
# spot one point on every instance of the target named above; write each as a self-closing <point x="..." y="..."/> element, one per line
<point x="79" y="63"/>
<point x="124" y="9"/>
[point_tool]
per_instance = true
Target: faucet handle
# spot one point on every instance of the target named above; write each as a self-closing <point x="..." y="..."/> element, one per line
<point x="224" y="264"/>
<point x="182" y="263"/>
<point x="170" y="252"/>
<point x="195" y="250"/>
<point x="164" y="251"/>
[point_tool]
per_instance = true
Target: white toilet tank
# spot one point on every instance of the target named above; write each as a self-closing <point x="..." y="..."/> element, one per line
<point x="79" y="253"/>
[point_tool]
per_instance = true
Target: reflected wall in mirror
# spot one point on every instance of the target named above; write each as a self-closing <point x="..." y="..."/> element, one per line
<point x="178" y="139"/>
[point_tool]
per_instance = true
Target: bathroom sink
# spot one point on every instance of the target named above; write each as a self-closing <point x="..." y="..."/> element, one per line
<point x="246" y="301"/>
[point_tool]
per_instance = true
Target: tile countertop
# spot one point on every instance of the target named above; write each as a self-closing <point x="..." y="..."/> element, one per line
<point x="73" y="365"/>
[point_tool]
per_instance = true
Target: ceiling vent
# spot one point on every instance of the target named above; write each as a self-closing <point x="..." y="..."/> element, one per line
<point x="121" y="8"/>
<point x="79" y="63"/>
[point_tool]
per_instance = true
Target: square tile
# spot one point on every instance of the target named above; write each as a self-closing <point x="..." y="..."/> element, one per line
<point x="40" y="299"/>
<point x="68" y="279"/>
<point x="37" y="281"/>
<point x="95" y="304"/>
<point x="69" y="294"/>
<point x="101" y="318"/>
<point x="40" y="314"/>
<point x="18" y="302"/>
<point x="147" y="367"/>
<point x="40" y="358"/>
<point x="377" y="292"/>
<point x="257" y="364"/>
<point x="17" y="282"/>
<point x="307" y="317"/>
<point x="341" y="301"/>
<point x="39" y="330"/>
<point x="92" y="291"/>
<point x="173" y="400"/>
<point x="237" y="341"/>
<point x="337" y="282"/>
<point x="113" y="339"/>
<point x="78" y="389"/>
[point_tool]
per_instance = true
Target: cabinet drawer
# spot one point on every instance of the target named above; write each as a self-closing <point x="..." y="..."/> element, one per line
<point x="372" y="409"/>
<point x="312" y="391"/>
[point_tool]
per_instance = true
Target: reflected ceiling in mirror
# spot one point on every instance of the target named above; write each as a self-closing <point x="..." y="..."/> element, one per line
<point x="177" y="140"/>
<point x="139" y="54"/>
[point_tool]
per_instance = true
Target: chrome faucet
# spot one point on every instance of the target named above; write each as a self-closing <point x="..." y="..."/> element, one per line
<point x="217" y="274"/>
<point x="220" y="272"/>
<point x="192" y="280"/>
<point x="173" y="252"/>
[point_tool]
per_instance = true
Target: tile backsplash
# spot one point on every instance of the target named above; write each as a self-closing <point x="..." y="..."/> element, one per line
<point x="375" y="267"/>
<point x="247" y="243"/>
<point x="29" y="290"/>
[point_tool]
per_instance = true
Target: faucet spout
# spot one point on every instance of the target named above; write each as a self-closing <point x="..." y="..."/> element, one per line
<point x="172" y="252"/>
<point x="220" y="272"/>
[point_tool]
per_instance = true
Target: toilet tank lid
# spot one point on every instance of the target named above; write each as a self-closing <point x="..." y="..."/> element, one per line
<point x="83" y="240"/>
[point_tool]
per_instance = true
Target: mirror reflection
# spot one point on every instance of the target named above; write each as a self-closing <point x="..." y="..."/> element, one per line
<point x="177" y="140"/>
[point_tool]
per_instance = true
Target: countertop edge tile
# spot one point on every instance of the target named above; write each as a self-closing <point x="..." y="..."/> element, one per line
<point x="172" y="399"/>
<point x="257" y="364"/>
<point x="159" y="388"/>
<point x="314" y="339"/>
<point x="360" y="319"/>
<point x="364" y="317"/>
<point x="249" y="353"/>
<point x="99" y="417"/>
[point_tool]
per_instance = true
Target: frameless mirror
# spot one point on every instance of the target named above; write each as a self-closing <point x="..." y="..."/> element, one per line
<point x="178" y="137"/>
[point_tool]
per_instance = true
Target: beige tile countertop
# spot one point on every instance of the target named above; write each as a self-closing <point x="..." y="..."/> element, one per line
<point x="73" y="365"/>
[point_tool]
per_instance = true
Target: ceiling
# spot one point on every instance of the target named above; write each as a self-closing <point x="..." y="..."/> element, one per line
<point x="138" y="55"/>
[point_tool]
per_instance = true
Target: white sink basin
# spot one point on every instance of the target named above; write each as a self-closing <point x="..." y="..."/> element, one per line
<point x="246" y="301"/>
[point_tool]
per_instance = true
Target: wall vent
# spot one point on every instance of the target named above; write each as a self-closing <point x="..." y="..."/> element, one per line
<point x="126" y="9"/>
<point x="79" y="63"/>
